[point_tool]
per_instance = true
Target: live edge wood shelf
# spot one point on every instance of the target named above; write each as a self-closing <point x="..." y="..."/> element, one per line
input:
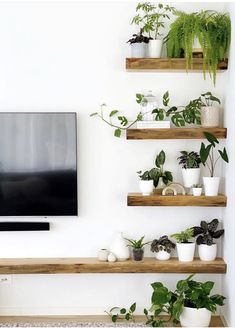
<point x="92" y="265"/>
<point x="174" y="133"/>
<point x="137" y="199"/>
<point x="169" y="64"/>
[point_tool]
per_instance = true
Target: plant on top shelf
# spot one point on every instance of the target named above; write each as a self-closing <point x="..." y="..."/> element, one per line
<point x="162" y="247"/>
<point x="185" y="247"/>
<point x="213" y="31"/>
<point x="190" y="162"/>
<point x="137" y="248"/>
<point x="206" y="234"/>
<point x="209" y="111"/>
<point x="151" y="18"/>
<point x="207" y="155"/>
<point x="138" y="44"/>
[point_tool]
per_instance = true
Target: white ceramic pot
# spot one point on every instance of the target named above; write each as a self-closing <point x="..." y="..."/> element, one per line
<point x="197" y="191"/>
<point x="197" y="46"/>
<point x="146" y="187"/>
<point x="211" y="185"/>
<point x="207" y="253"/>
<point x="154" y="48"/>
<point x="191" y="177"/>
<point x="195" y="317"/>
<point x="139" y="50"/>
<point x="119" y="248"/>
<point x="210" y="116"/>
<point x="185" y="251"/>
<point x="162" y="255"/>
<point x="103" y="255"/>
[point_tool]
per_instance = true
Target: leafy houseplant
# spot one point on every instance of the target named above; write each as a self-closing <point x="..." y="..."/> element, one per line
<point x="211" y="28"/>
<point x="162" y="247"/>
<point x="185" y="248"/>
<point x="209" y="112"/>
<point x="208" y="158"/>
<point x="137" y="248"/>
<point x="151" y="18"/>
<point x="122" y="313"/>
<point x="146" y="181"/>
<point x="206" y="234"/>
<point x="138" y="45"/>
<point x="190" y="162"/>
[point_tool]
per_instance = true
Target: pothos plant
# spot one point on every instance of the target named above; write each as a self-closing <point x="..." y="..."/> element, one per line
<point x="121" y="313"/>
<point x="157" y="172"/>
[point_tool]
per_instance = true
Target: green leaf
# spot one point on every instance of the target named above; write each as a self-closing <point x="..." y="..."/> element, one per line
<point x="113" y="113"/>
<point x="224" y="155"/>
<point x="166" y="98"/>
<point x="127" y="316"/>
<point x="204" y="152"/>
<point x="145" y="311"/>
<point x="182" y="285"/>
<point x="93" y="114"/>
<point x="139" y="98"/>
<point x="123" y="311"/>
<point x="156" y="285"/>
<point x="133" y="307"/>
<point x="160" y="296"/>
<point x="171" y="110"/>
<point x="114" y="317"/>
<point x="207" y="287"/>
<point x="211" y="138"/>
<point x="117" y="133"/>
<point x="160" y="159"/>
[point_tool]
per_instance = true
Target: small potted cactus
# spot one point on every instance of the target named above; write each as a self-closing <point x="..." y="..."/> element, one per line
<point x="162" y="248"/>
<point x="137" y="246"/>
<point x="197" y="189"/>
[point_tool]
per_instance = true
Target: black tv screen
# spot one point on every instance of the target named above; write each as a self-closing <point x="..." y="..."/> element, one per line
<point x="38" y="164"/>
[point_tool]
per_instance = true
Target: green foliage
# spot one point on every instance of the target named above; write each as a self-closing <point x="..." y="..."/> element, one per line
<point x="151" y="17"/>
<point x="162" y="244"/>
<point x="207" y="99"/>
<point x="211" y="28"/>
<point x="207" y="232"/>
<point x="122" y="313"/>
<point x="137" y="243"/>
<point x="138" y="38"/>
<point x="183" y="236"/>
<point x="207" y="153"/>
<point x="189" y="160"/>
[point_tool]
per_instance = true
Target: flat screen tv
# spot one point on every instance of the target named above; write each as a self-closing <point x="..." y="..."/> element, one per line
<point x="38" y="164"/>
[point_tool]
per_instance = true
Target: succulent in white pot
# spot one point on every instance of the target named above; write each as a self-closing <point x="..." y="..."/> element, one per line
<point x="139" y="45"/>
<point x="145" y="183"/>
<point x="190" y="162"/>
<point x="162" y="248"/>
<point x="206" y="233"/>
<point x="208" y="158"/>
<point x="197" y="189"/>
<point x="210" y="113"/>
<point x="185" y="247"/>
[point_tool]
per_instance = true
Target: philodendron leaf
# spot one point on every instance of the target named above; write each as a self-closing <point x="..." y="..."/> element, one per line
<point x="224" y="155"/>
<point x="166" y="98"/>
<point x="211" y="138"/>
<point x="160" y="159"/>
<point x="113" y="113"/>
<point x="117" y="133"/>
<point x="204" y="152"/>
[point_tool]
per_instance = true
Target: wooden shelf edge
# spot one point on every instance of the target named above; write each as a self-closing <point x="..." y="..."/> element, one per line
<point x="174" y="133"/>
<point x="137" y="199"/>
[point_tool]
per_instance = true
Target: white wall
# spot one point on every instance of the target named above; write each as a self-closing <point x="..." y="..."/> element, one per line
<point x="70" y="56"/>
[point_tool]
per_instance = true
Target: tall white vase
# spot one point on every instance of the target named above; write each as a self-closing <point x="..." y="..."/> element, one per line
<point x="119" y="248"/>
<point x="155" y="48"/>
<point x="138" y="50"/>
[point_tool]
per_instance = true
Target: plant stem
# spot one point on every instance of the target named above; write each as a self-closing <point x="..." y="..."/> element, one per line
<point x="117" y="126"/>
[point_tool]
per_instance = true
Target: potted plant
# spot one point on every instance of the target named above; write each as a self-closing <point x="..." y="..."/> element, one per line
<point x="145" y="182"/>
<point x="207" y="156"/>
<point x="152" y="18"/>
<point x="137" y="246"/>
<point x="162" y="247"/>
<point x="185" y="248"/>
<point x="206" y="233"/>
<point x="209" y="112"/>
<point x="197" y="189"/>
<point x="190" y="162"/>
<point x="138" y="45"/>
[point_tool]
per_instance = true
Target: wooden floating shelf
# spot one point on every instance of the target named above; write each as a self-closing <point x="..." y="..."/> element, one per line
<point x="174" y="133"/>
<point x="169" y="64"/>
<point x="92" y="265"/>
<point x="137" y="199"/>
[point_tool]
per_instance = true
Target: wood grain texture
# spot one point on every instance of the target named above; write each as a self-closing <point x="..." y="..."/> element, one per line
<point x="169" y="64"/>
<point x="174" y="133"/>
<point x="92" y="265"/>
<point x="137" y="199"/>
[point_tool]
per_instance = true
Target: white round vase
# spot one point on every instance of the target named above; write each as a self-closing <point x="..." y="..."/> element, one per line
<point x="155" y="48"/>
<point x="162" y="255"/>
<point x="207" y="253"/>
<point x="211" y="185"/>
<point x="210" y="116"/>
<point x="197" y="191"/>
<point x="103" y="255"/>
<point x="185" y="251"/>
<point x="146" y="187"/>
<point x="119" y="248"/>
<point x="138" y="50"/>
<point x="191" y="176"/>
<point x="195" y="317"/>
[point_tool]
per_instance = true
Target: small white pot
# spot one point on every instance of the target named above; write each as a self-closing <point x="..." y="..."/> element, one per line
<point x="103" y="255"/>
<point x="191" y="176"/>
<point x="146" y="187"/>
<point x="185" y="251"/>
<point x="197" y="191"/>
<point x="207" y="253"/>
<point x="138" y="50"/>
<point x="195" y="317"/>
<point x="154" y="48"/>
<point x="211" y="185"/>
<point x="210" y="116"/>
<point x="162" y="255"/>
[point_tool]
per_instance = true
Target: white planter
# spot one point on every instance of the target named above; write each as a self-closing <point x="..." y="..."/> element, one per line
<point x="211" y="185"/>
<point x="195" y="317"/>
<point x="207" y="253"/>
<point x="197" y="46"/>
<point x="154" y="48"/>
<point x="119" y="248"/>
<point x="146" y="187"/>
<point x="185" y="251"/>
<point x="197" y="191"/>
<point x="103" y="255"/>
<point x="138" y="50"/>
<point x="162" y="255"/>
<point x="191" y="177"/>
<point x="210" y="116"/>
